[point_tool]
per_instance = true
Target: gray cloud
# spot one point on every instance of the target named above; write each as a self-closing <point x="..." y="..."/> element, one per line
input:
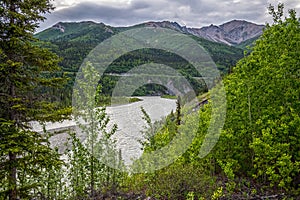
<point x="192" y="13"/>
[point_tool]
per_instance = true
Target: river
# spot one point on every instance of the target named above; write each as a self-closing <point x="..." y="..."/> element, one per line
<point x="129" y="121"/>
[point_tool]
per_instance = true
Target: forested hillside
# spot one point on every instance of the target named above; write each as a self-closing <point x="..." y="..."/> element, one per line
<point x="257" y="153"/>
<point x="73" y="42"/>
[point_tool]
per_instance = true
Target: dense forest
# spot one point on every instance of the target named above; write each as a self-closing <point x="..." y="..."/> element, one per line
<point x="256" y="157"/>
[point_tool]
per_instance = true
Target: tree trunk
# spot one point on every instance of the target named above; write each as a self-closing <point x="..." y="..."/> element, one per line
<point x="12" y="177"/>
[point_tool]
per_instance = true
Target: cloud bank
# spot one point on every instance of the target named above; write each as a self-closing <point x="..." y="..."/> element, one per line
<point x="191" y="13"/>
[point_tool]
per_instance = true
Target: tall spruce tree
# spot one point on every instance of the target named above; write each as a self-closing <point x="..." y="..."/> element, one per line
<point x="28" y="77"/>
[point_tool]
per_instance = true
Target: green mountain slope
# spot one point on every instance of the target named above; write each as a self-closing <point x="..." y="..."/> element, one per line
<point x="247" y="43"/>
<point x="82" y="31"/>
<point x="73" y="42"/>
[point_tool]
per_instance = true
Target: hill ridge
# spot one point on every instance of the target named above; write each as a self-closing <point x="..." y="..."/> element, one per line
<point x="232" y="33"/>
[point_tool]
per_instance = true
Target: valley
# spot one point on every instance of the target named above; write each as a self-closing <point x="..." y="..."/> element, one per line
<point x="152" y="111"/>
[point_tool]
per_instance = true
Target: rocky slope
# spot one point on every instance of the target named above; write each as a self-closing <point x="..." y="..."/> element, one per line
<point x="230" y="33"/>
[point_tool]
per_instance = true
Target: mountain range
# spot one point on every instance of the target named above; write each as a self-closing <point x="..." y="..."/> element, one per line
<point x="73" y="41"/>
<point x="225" y="43"/>
<point x="231" y="33"/>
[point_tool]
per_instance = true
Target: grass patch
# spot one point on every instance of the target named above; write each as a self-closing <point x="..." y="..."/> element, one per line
<point x="134" y="99"/>
<point x="124" y="100"/>
<point x="108" y="101"/>
<point x="166" y="96"/>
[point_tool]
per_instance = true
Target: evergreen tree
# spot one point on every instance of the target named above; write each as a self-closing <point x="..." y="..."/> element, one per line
<point x="178" y="111"/>
<point x="28" y="77"/>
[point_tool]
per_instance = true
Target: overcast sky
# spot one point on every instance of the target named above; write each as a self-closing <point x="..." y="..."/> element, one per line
<point x="191" y="13"/>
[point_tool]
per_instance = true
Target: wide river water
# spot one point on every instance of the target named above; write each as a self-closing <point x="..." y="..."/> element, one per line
<point x="129" y="121"/>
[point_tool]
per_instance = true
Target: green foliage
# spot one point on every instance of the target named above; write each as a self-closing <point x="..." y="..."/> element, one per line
<point x="34" y="162"/>
<point x="87" y="173"/>
<point x="29" y="78"/>
<point x="169" y="96"/>
<point x="178" y="111"/>
<point x="176" y="181"/>
<point x="159" y="133"/>
<point x="260" y="139"/>
<point x="218" y="193"/>
<point x="94" y="163"/>
<point x="263" y="106"/>
<point x="259" y="142"/>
